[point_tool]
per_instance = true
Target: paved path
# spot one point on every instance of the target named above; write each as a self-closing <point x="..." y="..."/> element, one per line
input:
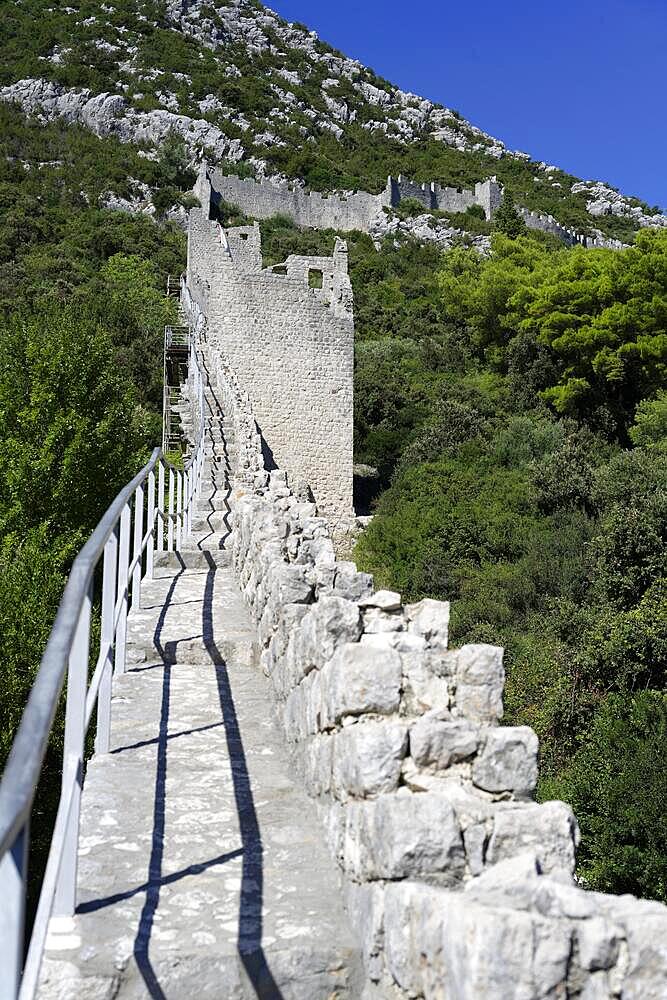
<point x="203" y="872"/>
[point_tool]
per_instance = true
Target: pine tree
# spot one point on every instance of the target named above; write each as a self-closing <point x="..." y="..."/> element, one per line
<point x="507" y="220"/>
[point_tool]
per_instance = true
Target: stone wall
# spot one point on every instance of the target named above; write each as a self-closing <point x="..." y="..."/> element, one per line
<point x="358" y="210"/>
<point x="547" y="224"/>
<point x="487" y="194"/>
<point x="263" y="199"/>
<point x="287" y="333"/>
<point x="459" y="884"/>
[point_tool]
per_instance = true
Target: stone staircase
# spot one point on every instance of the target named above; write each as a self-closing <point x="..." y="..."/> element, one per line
<point x="202" y="866"/>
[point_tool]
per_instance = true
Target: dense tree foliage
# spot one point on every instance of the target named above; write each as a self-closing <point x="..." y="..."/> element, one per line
<point x="82" y="310"/>
<point x="517" y="495"/>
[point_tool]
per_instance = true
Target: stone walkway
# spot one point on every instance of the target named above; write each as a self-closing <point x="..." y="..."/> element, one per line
<point x="203" y="871"/>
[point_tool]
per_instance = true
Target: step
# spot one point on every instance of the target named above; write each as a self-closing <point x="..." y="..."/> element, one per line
<point x="192" y="558"/>
<point x="213" y="520"/>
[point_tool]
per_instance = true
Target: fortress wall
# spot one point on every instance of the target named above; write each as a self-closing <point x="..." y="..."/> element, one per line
<point x="291" y="348"/>
<point x="261" y="200"/>
<point x="458" y="883"/>
<point x="357" y="211"/>
<point x="454" y="200"/>
<point x="547" y="224"/>
<point x="401" y="188"/>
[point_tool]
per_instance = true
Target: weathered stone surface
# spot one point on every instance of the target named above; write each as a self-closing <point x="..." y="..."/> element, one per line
<point x="293" y="585"/>
<point x="423" y="690"/>
<point x="550" y="830"/>
<point x="507" y="761"/>
<point x="332" y="622"/>
<point x="376" y="620"/>
<point x="350" y="583"/>
<point x="599" y="943"/>
<point x="403" y="836"/>
<point x="368" y="757"/>
<point x="359" y="679"/>
<point x="437" y="740"/>
<point x="385" y="600"/>
<point x="365" y="903"/>
<point x="430" y="619"/>
<point x="440" y="944"/>
<point x="480" y="682"/>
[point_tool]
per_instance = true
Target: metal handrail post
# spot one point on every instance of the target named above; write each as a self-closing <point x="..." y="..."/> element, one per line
<point x="179" y="509"/>
<point x="13" y="868"/>
<point x="160" y="508"/>
<point x="150" y="548"/>
<point x="170" y="523"/>
<point x="110" y="573"/>
<point x="188" y="518"/>
<point x="64" y="902"/>
<point x="136" y="548"/>
<point x="122" y="590"/>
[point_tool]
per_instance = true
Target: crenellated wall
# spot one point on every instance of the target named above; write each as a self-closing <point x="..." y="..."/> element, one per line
<point x="459" y="884"/>
<point x="263" y="199"/>
<point x="358" y="210"/>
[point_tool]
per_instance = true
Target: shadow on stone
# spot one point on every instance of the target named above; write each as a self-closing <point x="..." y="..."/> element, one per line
<point x="249" y="942"/>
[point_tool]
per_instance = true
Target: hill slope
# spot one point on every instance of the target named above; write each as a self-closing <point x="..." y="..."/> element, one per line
<point x="266" y="97"/>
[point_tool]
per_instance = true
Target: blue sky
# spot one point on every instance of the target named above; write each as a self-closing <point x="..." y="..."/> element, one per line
<point x="578" y="83"/>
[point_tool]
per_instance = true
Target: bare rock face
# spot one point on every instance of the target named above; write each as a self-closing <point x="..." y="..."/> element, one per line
<point x="604" y="200"/>
<point x="110" y="114"/>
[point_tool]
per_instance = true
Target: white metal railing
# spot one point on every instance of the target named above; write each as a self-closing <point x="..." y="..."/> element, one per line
<point x="152" y="514"/>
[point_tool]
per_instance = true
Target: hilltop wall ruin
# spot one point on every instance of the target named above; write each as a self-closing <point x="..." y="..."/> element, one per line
<point x="287" y="332"/>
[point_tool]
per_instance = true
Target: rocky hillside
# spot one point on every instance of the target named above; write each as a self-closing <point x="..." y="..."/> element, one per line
<point x="264" y="97"/>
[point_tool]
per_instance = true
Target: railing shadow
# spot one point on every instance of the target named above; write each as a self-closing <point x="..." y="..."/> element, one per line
<point x="249" y="942"/>
<point x="154" y="881"/>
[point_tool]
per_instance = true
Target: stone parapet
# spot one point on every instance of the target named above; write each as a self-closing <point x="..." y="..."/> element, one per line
<point x="459" y="884"/>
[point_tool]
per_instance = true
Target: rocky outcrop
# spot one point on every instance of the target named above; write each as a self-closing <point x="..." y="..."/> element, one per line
<point x="604" y="200"/>
<point x="111" y="114"/>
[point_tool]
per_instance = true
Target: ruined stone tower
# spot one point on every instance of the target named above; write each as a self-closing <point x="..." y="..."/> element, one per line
<point x="287" y="333"/>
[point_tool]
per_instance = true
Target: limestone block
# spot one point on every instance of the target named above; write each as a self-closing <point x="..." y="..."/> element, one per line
<point x="385" y="600"/>
<point x="645" y="926"/>
<point x="331" y="622"/>
<point x="507" y="761"/>
<point x="294" y="714"/>
<point x="403" y="836"/>
<point x="317" y="764"/>
<point x="437" y="740"/>
<point x="442" y="944"/>
<point x="293" y="588"/>
<point x="423" y="691"/>
<point x="480" y="682"/>
<point x="599" y="943"/>
<point x="358" y="680"/>
<point x="350" y="583"/>
<point x="402" y="642"/>
<point x="429" y="619"/>
<point x="474" y="841"/>
<point x="291" y="616"/>
<point x="367" y="758"/>
<point x="336" y="621"/>
<point x="376" y="620"/>
<point x="401" y="951"/>
<point x="550" y="830"/>
<point x="365" y="904"/>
